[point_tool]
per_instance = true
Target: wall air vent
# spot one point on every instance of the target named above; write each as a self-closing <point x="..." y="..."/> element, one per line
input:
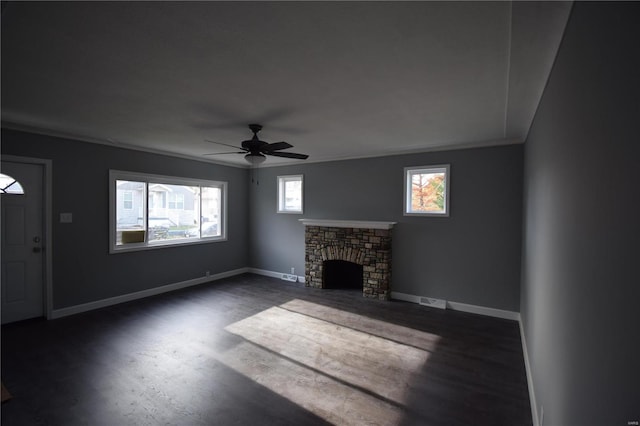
<point x="434" y="303"/>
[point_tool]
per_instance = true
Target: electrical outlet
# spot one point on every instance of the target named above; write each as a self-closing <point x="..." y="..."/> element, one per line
<point x="206" y="274"/>
<point x="293" y="271"/>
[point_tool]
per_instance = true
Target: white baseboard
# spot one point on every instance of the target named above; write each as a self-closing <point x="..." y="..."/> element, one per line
<point x="464" y="307"/>
<point x="265" y="273"/>
<point x="405" y="297"/>
<point x="483" y="310"/>
<point x="527" y="366"/>
<point x="72" y="310"/>
<point x="272" y="274"/>
<point x="492" y="312"/>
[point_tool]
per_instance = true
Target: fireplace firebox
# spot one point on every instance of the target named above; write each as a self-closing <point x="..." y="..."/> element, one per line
<point x="341" y="274"/>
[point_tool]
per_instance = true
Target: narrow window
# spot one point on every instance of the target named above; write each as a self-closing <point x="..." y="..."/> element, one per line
<point x="290" y="194"/>
<point x="426" y="191"/>
<point x="130" y="211"/>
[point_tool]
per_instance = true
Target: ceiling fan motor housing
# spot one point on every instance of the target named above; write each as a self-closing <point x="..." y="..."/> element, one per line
<point x="257" y="149"/>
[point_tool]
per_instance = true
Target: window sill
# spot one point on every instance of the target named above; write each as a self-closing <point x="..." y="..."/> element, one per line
<point x="126" y="248"/>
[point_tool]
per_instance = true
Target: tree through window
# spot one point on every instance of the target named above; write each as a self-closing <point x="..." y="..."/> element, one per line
<point x="427" y="190"/>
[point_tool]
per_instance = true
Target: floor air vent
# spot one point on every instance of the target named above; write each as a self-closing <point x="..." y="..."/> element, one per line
<point x="434" y="303"/>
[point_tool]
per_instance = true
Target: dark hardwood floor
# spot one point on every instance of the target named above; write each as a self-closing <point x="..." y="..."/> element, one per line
<point x="250" y="350"/>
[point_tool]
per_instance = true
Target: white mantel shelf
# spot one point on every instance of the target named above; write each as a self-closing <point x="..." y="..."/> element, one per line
<point x="366" y="224"/>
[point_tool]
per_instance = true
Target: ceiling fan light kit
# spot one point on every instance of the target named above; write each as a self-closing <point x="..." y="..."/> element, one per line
<point x="256" y="150"/>
<point x="255" y="159"/>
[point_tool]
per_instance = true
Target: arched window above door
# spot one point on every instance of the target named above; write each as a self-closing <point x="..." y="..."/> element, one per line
<point x="9" y="185"/>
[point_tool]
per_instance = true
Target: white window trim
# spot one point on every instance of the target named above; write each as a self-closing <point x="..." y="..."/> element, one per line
<point x="115" y="175"/>
<point x="438" y="168"/>
<point x="280" y="201"/>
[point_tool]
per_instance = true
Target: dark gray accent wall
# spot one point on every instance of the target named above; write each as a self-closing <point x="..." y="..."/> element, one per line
<point x="580" y="287"/>
<point x="83" y="269"/>
<point x="472" y="257"/>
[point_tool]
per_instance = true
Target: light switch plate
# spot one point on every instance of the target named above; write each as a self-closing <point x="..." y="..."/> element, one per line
<point x="66" y="217"/>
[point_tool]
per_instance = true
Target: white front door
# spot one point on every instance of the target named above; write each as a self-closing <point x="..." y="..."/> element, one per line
<point x="22" y="244"/>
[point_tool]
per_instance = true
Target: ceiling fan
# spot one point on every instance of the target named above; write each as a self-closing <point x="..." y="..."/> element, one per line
<point x="256" y="150"/>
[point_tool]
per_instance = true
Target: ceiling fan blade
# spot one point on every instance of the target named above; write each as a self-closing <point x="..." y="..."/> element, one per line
<point x="232" y="152"/>
<point x="288" y="155"/>
<point x="276" y="146"/>
<point x="225" y="144"/>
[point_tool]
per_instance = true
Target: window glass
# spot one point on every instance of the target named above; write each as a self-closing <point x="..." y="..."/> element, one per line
<point x="211" y="224"/>
<point x="130" y="210"/>
<point x="152" y="211"/>
<point x="9" y="185"/>
<point x="427" y="190"/>
<point x="290" y="191"/>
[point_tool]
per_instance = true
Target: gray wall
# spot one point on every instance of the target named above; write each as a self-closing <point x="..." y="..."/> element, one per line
<point x="83" y="269"/>
<point x="473" y="256"/>
<point x="580" y="287"/>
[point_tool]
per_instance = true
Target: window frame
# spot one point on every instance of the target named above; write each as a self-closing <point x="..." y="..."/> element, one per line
<point x="436" y="168"/>
<point x="281" y="182"/>
<point x="116" y="175"/>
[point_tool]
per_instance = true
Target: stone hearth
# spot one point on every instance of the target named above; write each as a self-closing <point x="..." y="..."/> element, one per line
<point x="366" y="243"/>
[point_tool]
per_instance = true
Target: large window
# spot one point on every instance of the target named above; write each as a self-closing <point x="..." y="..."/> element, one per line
<point x="150" y="211"/>
<point x="290" y="191"/>
<point x="426" y="191"/>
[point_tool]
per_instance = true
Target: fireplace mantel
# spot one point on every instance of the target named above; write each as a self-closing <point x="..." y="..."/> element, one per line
<point x="365" y="224"/>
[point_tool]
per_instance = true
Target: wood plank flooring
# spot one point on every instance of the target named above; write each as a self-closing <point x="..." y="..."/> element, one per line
<point x="251" y="350"/>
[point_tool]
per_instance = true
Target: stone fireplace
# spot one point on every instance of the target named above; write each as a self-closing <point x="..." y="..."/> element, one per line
<point x="365" y="243"/>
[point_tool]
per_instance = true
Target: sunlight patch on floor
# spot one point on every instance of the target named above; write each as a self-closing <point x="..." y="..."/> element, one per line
<point x="343" y="367"/>
<point x="384" y="329"/>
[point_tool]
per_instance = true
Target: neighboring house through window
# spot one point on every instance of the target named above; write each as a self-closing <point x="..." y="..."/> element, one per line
<point x="127" y="201"/>
<point x="150" y="211"/>
<point x="176" y="201"/>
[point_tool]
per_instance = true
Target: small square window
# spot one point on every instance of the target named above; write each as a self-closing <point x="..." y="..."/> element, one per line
<point x="290" y="190"/>
<point x="426" y="191"/>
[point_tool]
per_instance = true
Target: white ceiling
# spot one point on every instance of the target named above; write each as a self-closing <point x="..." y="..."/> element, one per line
<point x="336" y="80"/>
